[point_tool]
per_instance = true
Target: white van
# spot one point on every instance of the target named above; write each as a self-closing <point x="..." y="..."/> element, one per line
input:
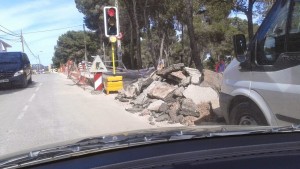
<point x="262" y="85"/>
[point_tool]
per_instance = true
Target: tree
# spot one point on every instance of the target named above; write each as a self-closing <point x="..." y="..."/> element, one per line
<point x="71" y="46"/>
<point x="190" y="26"/>
<point x="93" y="15"/>
<point x="250" y="10"/>
<point x="138" y="35"/>
<point x="172" y="29"/>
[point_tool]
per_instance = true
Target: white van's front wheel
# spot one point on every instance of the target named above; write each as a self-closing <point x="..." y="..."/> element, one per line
<point x="248" y="121"/>
<point x="247" y="113"/>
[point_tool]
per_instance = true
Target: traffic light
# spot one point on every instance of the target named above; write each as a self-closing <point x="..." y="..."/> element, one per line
<point x="111" y="21"/>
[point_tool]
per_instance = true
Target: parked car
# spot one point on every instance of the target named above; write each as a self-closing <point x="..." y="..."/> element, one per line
<point x="15" y="69"/>
<point x="262" y="85"/>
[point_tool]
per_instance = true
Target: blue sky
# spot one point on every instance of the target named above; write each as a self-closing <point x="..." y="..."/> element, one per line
<point x="38" y="15"/>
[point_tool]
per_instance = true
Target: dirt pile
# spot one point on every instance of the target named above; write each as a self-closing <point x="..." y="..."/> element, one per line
<point x="173" y="94"/>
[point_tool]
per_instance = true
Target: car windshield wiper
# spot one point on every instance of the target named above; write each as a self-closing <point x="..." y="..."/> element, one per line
<point x="97" y="144"/>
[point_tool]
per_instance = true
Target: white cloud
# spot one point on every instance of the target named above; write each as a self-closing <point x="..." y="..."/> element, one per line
<point x="37" y="15"/>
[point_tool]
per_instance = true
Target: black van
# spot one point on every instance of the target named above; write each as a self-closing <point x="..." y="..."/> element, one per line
<point x="15" y="69"/>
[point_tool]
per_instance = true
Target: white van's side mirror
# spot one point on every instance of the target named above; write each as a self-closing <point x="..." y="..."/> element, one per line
<point x="240" y="47"/>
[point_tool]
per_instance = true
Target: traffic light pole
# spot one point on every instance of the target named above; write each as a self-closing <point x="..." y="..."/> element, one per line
<point x="113" y="57"/>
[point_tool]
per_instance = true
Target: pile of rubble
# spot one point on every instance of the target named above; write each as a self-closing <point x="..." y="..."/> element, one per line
<point x="173" y="94"/>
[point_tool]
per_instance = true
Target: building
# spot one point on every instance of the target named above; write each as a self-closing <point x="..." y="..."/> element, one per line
<point x="4" y="46"/>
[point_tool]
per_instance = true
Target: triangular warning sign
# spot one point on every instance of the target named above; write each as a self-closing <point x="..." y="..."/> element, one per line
<point x="98" y="65"/>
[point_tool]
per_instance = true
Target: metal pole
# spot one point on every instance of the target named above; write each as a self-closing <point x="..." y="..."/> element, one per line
<point x="22" y="40"/>
<point x="39" y="63"/>
<point x="113" y="57"/>
<point x="85" y="56"/>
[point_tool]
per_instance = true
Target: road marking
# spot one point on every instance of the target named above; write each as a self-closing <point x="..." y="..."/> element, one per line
<point x="31" y="98"/>
<point x="41" y="84"/>
<point x="37" y="89"/>
<point x="21" y="115"/>
<point x="25" y="108"/>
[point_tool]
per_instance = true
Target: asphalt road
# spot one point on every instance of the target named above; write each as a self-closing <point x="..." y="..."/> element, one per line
<point x="53" y="109"/>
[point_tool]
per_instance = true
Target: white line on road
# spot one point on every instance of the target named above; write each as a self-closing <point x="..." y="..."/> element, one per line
<point x="37" y="89"/>
<point x="21" y="115"/>
<point x="32" y="97"/>
<point x="41" y="84"/>
<point x="25" y="108"/>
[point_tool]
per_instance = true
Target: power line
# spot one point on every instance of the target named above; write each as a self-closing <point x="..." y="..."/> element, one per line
<point x="8" y="30"/>
<point x="8" y="33"/>
<point x="51" y="29"/>
<point x="8" y="39"/>
<point x="29" y="48"/>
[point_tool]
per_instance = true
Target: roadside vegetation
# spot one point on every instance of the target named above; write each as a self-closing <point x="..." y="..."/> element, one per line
<point x="177" y="31"/>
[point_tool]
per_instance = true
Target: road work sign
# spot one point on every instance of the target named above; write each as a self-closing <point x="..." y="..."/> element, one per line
<point x="98" y="65"/>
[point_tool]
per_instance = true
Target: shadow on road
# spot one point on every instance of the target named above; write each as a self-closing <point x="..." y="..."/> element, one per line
<point x="8" y="89"/>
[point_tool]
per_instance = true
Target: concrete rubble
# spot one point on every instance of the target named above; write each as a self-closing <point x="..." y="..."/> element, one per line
<point x="176" y="94"/>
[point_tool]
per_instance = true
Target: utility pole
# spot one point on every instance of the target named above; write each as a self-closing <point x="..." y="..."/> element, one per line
<point x="22" y="41"/>
<point x="39" y="63"/>
<point x="119" y="44"/>
<point x="85" y="56"/>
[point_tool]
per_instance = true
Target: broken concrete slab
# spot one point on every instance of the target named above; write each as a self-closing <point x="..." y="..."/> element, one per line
<point x="151" y="118"/>
<point x="180" y="119"/>
<point x="155" y="105"/>
<point x="204" y="109"/>
<point x="134" y="110"/>
<point x="195" y="75"/>
<point x="177" y="76"/>
<point x="142" y="98"/>
<point x="173" y="68"/>
<point x="123" y="99"/>
<point x="163" y="108"/>
<point x="200" y="94"/>
<point x="145" y="112"/>
<point x="185" y="82"/>
<point x="131" y="92"/>
<point x="173" y="111"/>
<point x="162" y="91"/>
<point x="189" y="108"/>
<point x="164" y="117"/>
<point x="146" y="82"/>
<point x="179" y="92"/>
<point x="189" y="120"/>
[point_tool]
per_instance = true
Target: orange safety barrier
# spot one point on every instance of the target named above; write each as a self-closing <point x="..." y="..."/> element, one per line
<point x="75" y="72"/>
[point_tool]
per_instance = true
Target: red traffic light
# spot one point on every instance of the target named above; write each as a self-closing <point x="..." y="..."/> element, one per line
<point x="111" y="12"/>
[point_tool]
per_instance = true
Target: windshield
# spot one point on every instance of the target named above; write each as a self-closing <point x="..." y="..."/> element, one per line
<point x="9" y="58"/>
<point x="91" y="68"/>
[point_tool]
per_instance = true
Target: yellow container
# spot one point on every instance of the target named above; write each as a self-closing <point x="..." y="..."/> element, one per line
<point x="113" y="84"/>
<point x="114" y="78"/>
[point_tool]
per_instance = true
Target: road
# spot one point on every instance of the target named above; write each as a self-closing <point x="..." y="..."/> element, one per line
<point x="52" y="109"/>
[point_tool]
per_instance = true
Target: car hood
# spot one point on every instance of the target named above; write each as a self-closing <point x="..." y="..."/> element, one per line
<point x="204" y="131"/>
<point x="10" y="67"/>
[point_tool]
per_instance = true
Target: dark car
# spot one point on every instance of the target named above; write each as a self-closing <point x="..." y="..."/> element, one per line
<point x="15" y="69"/>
